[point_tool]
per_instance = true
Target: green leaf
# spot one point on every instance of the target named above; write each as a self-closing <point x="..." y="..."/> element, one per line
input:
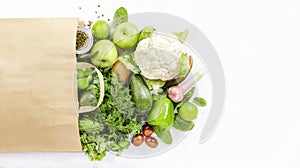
<point x="182" y="35"/>
<point x="146" y="32"/>
<point x="85" y="72"/>
<point x="184" y="65"/>
<point x="87" y="98"/>
<point x="181" y="124"/>
<point x="154" y="84"/>
<point x="129" y="63"/>
<point x="120" y="16"/>
<point x="85" y="124"/>
<point x="108" y="127"/>
<point x="163" y="135"/>
<point x="200" y="101"/>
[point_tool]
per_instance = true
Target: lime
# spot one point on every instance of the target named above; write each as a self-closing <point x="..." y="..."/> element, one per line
<point x="101" y="29"/>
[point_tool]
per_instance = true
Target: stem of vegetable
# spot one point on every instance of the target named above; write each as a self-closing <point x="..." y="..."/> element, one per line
<point x="86" y="56"/>
<point x="176" y="93"/>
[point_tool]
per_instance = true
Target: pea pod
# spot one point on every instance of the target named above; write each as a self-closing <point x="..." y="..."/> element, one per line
<point x="162" y="114"/>
<point x="140" y="94"/>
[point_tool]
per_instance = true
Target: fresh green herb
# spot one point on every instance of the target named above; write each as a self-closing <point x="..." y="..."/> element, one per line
<point x="90" y="126"/>
<point x="200" y="101"/>
<point x="91" y="147"/>
<point x="108" y="127"/>
<point x="187" y="97"/>
<point x="120" y="16"/>
<point x="181" y="124"/>
<point x="129" y="63"/>
<point x="146" y="32"/>
<point x="122" y="98"/>
<point x="182" y="35"/>
<point x="163" y="135"/>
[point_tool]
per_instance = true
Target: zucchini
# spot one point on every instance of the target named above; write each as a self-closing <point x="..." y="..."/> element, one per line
<point x="140" y="94"/>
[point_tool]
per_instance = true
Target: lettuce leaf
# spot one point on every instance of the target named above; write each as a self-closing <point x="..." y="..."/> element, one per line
<point x="184" y="65"/>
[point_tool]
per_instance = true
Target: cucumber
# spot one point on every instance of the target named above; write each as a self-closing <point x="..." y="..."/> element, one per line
<point x="140" y="94"/>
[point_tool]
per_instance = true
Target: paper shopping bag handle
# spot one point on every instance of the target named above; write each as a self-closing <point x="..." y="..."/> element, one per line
<point x="83" y="109"/>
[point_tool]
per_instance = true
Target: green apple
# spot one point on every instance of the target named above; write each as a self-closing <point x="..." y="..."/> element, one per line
<point x="126" y="35"/>
<point x="101" y="29"/>
<point x="107" y="53"/>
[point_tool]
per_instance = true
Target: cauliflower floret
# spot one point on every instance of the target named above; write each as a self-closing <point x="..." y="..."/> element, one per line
<point x="158" y="57"/>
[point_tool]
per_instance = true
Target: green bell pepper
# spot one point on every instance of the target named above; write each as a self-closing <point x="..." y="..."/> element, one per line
<point x="162" y="114"/>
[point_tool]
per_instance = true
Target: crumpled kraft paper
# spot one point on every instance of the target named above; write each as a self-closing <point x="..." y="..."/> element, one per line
<point x="37" y="64"/>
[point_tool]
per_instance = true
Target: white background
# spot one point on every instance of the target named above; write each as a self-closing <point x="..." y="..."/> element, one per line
<point x="258" y="43"/>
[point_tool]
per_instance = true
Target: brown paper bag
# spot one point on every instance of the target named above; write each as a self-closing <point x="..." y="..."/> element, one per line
<point x="37" y="68"/>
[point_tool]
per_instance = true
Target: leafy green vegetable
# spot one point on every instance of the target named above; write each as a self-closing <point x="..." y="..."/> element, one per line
<point x="184" y="65"/>
<point x="90" y="126"/>
<point x="146" y="32"/>
<point x="200" y="101"/>
<point x="181" y="124"/>
<point x="156" y="89"/>
<point x="91" y="148"/>
<point x="120" y="16"/>
<point x="108" y="127"/>
<point x="87" y="98"/>
<point x="163" y="135"/>
<point x="154" y="84"/>
<point x="182" y="35"/>
<point x="94" y="89"/>
<point x="187" y="97"/>
<point x="82" y="83"/>
<point x="85" y="72"/>
<point x="129" y="63"/>
<point x="84" y="77"/>
<point x="89" y="85"/>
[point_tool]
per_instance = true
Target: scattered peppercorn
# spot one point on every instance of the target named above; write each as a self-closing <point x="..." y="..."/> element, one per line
<point x="90" y="23"/>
